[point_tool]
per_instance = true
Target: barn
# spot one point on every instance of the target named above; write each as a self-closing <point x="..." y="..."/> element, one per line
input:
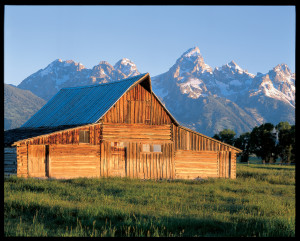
<point x="116" y="129"/>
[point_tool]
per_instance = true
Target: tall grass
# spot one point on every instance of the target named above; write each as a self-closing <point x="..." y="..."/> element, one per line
<point x="260" y="202"/>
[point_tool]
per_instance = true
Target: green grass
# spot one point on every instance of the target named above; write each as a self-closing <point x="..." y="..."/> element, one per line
<point x="260" y="202"/>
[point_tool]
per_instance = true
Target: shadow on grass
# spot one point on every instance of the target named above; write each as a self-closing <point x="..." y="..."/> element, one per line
<point x="57" y="221"/>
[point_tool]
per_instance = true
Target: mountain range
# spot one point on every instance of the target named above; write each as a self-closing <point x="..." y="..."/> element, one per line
<point x="202" y="98"/>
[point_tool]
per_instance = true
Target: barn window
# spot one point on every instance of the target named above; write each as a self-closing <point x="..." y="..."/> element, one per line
<point x="146" y="147"/>
<point x="117" y="144"/>
<point x="156" y="148"/>
<point x="84" y="137"/>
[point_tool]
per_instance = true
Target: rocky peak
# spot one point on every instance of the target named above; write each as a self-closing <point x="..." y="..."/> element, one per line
<point x="102" y="69"/>
<point x="127" y="67"/>
<point x="192" y="52"/>
<point x="191" y="62"/>
<point x="282" y="68"/>
<point x="281" y="74"/>
<point x="233" y="65"/>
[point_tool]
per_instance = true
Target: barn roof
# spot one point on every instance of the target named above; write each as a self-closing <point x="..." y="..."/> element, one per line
<point x="84" y="104"/>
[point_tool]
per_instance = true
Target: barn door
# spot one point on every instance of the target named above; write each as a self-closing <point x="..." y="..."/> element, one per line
<point x="37" y="160"/>
<point x="225" y="164"/>
<point x="118" y="159"/>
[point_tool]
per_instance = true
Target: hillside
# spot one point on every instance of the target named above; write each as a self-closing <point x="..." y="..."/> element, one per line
<point x="19" y="106"/>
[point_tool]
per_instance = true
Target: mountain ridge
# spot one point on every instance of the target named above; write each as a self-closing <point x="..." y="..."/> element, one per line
<point x="224" y="97"/>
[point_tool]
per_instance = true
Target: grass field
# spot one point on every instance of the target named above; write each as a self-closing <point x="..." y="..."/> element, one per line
<point x="260" y="202"/>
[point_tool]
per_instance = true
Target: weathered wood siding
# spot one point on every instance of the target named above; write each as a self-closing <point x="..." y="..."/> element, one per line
<point x="71" y="161"/>
<point x="227" y="164"/>
<point x="139" y="164"/>
<point x="136" y="132"/>
<point x="194" y="164"/>
<point x="138" y="105"/>
<point x="190" y="145"/>
<point x="37" y="160"/>
<point x="22" y="159"/>
<point x="189" y="140"/>
<point x="10" y="160"/>
<point x="69" y="136"/>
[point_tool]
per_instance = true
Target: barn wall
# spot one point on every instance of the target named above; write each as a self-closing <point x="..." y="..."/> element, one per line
<point x="72" y="161"/>
<point x="22" y="161"/>
<point x="227" y="164"/>
<point x="194" y="164"/>
<point x="136" y="132"/>
<point x="139" y="164"/>
<point x="37" y="160"/>
<point x="69" y="136"/>
<point x="188" y="140"/>
<point x="188" y="143"/>
<point x="137" y="106"/>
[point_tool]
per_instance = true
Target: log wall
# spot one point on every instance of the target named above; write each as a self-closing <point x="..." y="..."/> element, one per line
<point x="69" y="136"/>
<point x="72" y="161"/>
<point x="193" y="164"/>
<point x="22" y="157"/>
<point x="136" y="132"/>
<point x="189" y="144"/>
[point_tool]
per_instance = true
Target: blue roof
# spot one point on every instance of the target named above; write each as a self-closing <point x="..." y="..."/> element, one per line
<point x="81" y="105"/>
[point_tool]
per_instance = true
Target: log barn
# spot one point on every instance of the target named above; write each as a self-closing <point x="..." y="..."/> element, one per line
<point x="116" y="129"/>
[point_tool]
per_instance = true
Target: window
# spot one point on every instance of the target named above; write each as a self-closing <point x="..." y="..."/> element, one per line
<point x="156" y="148"/>
<point x="146" y="147"/>
<point x="117" y="144"/>
<point x="151" y="148"/>
<point x="84" y="137"/>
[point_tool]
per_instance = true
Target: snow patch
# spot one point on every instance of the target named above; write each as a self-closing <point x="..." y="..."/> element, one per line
<point x="192" y="87"/>
<point x="235" y="82"/>
<point x="192" y="52"/>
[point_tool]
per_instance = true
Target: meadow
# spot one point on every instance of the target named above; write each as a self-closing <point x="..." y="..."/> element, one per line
<point x="259" y="203"/>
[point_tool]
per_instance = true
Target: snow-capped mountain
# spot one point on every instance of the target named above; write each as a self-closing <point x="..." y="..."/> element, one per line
<point x="58" y="74"/>
<point x="205" y="99"/>
<point x="191" y="86"/>
<point x="278" y="83"/>
<point x="127" y="67"/>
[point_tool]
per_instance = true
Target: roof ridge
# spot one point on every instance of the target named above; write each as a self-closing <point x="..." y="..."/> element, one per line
<point x="97" y="85"/>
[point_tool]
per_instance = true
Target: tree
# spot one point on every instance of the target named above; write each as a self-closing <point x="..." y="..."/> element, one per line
<point x="285" y="141"/>
<point x="293" y="139"/>
<point x="226" y="136"/>
<point x="242" y="142"/>
<point x="263" y="142"/>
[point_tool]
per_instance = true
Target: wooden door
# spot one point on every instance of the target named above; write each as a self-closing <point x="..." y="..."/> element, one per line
<point x="225" y="164"/>
<point x="37" y="160"/>
<point x="118" y="160"/>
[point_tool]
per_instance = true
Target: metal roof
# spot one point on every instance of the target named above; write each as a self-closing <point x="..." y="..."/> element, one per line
<point x="81" y="105"/>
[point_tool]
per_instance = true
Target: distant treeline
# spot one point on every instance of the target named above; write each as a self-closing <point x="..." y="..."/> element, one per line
<point x="265" y="141"/>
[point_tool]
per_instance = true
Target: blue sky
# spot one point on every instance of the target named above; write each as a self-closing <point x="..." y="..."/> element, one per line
<point x="257" y="38"/>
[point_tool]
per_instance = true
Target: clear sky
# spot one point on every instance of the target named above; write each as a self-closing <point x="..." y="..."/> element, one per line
<point x="257" y="38"/>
